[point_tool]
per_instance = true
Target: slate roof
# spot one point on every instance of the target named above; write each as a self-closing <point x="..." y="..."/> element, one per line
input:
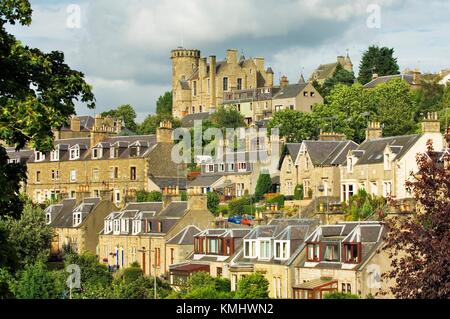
<point x="204" y="180"/>
<point x="185" y="236"/>
<point x="64" y="217"/>
<point x="174" y="210"/>
<point x="289" y="91"/>
<point x="188" y="120"/>
<point x="329" y="152"/>
<point x="169" y="182"/>
<point x="22" y="155"/>
<point x="372" y="151"/>
<point x="409" y="78"/>
<point x="324" y="71"/>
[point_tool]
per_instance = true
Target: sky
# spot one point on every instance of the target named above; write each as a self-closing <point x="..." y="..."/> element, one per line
<point x="123" y="47"/>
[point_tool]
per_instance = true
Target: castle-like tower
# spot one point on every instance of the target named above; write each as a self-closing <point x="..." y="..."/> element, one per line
<point x="199" y="84"/>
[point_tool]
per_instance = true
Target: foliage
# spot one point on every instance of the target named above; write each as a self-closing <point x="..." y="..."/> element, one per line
<point x="213" y="202"/>
<point x="201" y="285"/>
<point x="253" y="286"/>
<point x="339" y="295"/>
<point x="341" y="76"/>
<point x="227" y="117"/>
<point x="126" y="113"/>
<point x="5" y="282"/>
<point x="279" y="200"/>
<point x="30" y="236"/>
<point x="92" y="272"/>
<point x="419" y="246"/>
<point x="263" y="185"/>
<point x="298" y="192"/>
<point x="164" y="104"/>
<point x="144" y="196"/>
<point x="362" y="205"/>
<point x="37" y="282"/>
<point x="377" y="60"/>
<point x="151" y="123"/>
<point x="295" y="126"/>
<point x="237" y="206"/>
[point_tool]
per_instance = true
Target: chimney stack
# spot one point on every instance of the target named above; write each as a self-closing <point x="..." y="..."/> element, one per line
<point x="75" y="124"/>
<point x="431" y="123"/>
<point x="284" y="81"/>
<point x="212" y="80"/>
<point x="374" y="131"/>
<point x="232" y="56"/>
<point x="164" y="132"/>
<point x="331" y="136"/>
<point x="197" y="200"/>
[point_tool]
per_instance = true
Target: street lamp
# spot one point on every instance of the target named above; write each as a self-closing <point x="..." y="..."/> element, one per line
<point x="143" y="250"/>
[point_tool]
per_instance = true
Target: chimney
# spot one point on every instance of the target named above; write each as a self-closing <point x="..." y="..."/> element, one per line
<point x="331" y="136"/>
<point x="259" y="61"/>
<point x="75" y="124"/>
<point x="284" y="81"/>
<point x="164" y="132"/>
<point x="212" y="80"/>
<point x="373" y="131"/>
<point x="431" y="123"/>
<point x="170" y="194"/>
<point x="374" y="76"/>
<point x="196" y="199"/>
<point x="232" y="56"/>
<point x="99" y="132"/>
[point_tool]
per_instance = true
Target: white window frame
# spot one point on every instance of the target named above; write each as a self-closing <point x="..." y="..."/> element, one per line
<point x="77" y="219"/>
<point x="117" y="192"/>
<point x="209" y="168"/>
<point x="252" y="248"/>
<point x="221" y="167"/>
<point x="95" y="176"/>
<point x="261" y="243"/>
<point x="350" y="164"/>
<point x="54" y="155"/>
<point x="74" y="153"/>
<point x="39" y="156"/>
<point x="284" y="249"/>
<point x="73" y="176"/>
<point x="116" y="226"/>
<point x="99" y="154"/>
<point x="242" y="166"/>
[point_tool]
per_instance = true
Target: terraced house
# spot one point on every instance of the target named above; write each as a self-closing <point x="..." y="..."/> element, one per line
<point x="105" y="165"/>
<point x="382" y="165"/>
<point x="314" y="165"/>
<point x="273" y="250"/>
<point x="346" y="257"/>
<point x="140" y="232"/>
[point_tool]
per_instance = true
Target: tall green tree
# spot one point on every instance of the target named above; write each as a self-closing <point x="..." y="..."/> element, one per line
<point x="379" y="61"/>
<point x="263" y="185"/>
<point x="37" y="93"/>
<point x="164" y="104"/>
<point x="125" y="112"/>
<point x="295" y="126"/>
<point x="341" y="76"/>
<point x="227" y="117"/>
<point x="152" y="121"/>
<point x="213" y="201"/>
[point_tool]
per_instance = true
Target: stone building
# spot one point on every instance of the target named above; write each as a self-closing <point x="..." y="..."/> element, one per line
<point x="81" y="126"/>
<point x="77" y="224"/>
<point x="382" y="166"/>
<point x="199" y="84"/>
<point x="141" y="232"/>
<point x="326" y="71"/>
<point x="104" y="165"/>
<point x="315" y="165"/>
<point x="346" y="257"/>
<point x="299" y="96"/>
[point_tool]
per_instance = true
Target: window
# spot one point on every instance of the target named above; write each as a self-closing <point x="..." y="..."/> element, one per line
<point x="281" y="250"/>
<point x="209" y="168"/>
<point x="374" y="188"/>
<point x="313" y="252"/>
<point x="114" y="172"/>
<point x="116" y="226"/>
<point x="134" y="151"/>
<point x="219" y="272"/>
<point x="193" y="109"/>
<point x="350" y="164"/>
<point x="136" y="227"/>
<point x="200" y="109"/>
<point x="264" y="249"/>
<point x="289" y="187"/>
<point x="312" y="94"/>
<point x="351" y="190"/>
<point x="213" y="246"/>
<point x="250" y="249"/>
<point x="54" y="155"/>
<point x="55" y="175"/>
<point x="194" y="88"/>
<point x="307" y="163"/>
<point x="48" y="218"/>
<point x="291" y="107"/>
<point x="39" y="157"/>
<point x="238" y="107"/>
<point x="242" y="167"/>
<point x="117" y="196"/>
<point x="172" y="256"/>
<point x="73" y="176"/>
<point x="239" y="189"/>
<point x="75" y="153"/>
<point x="208" y="84"/>
<point x="351" y="253"/>
<point x="239" y="84"/>
<point x="13" y="161"/>
<point x="97" y="153"/>
<point x="331" y="252"/>
<point x="76" y="219"/>
<point x="95" y="175"/>
<point x="231" y="167"/>
<point x="387" y="189"/>
<point x="225" y="84"/>
<point x="133" y="173"/>
<point x="221" y="167"/>
<point x="38" y="176"/>
<point x="305" y="93"/>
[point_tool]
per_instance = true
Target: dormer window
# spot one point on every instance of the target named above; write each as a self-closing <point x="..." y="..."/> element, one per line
<point x="136" y="227"/>
<point x="124" y="225"/>
<point x="387" y="161"/>
<point x="48" y="218"/>
<point x="97" y="153"/>
<point x="116" y="226"/>
<point x="331" y="252"/>
<point x="134" y="151"/>
<point x="313" y="252"/>
<point x="250" y="249"/>
<point x="242" y="167"/>
<point x="281" y="250"/>
<point x="54" y="155"/>
<point x="108" y="226"/>
<point x="75" y="153"/>
<point x="76" y="219"/>
<point x="352" y="253"/>
<point x="265" y="249"/>
<point x="209" y="168"/>
<point x="39" y="156"/>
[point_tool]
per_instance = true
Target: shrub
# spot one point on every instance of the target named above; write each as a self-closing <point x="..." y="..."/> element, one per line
<point x="144" y="196"/>
<point x="279" y="200"/>
<point x="213" y="202"/>
<point x="298" y="192"/>
<point x="263" y="186"/>
<point x="237" y="206"/>
<point x="339" y="295"/>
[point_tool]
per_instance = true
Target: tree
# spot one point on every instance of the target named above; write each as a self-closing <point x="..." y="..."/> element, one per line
<point x="213" y="201"/>
<point x="30" y="236"/>
<point x="37" y="282"/>
<point x="228" y="117"/>
<point x="151" y="123"/>
<point x="362" y="205"/>
<point x="295" y="126"/>
<point x="339" y="295"/>
<point x="164" y="104"/>
<point x="144" y="196"/>
<point x="253" y="286"/>
<point x="298" y="192"/>
<point x="202" y="285"/>
<point x="378" y="61"/>
<point x="341" y="76"/>
<point x="126" y="113"/>
<point x="237" y="206"/>
<point x="263" y="185"/>
<point x="419" y="246"/>
<point x="37" y="93"/>
<point x="92" y="271"/>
